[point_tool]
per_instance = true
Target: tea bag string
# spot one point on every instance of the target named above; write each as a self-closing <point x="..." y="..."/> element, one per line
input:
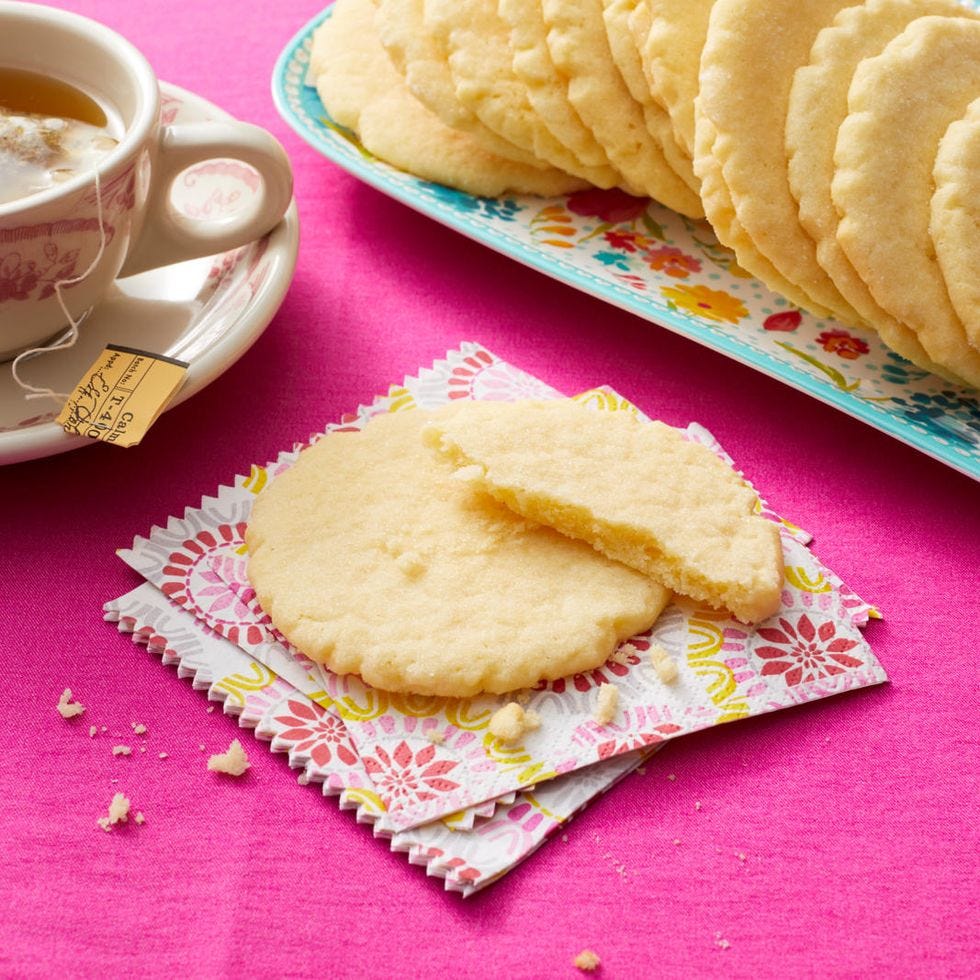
<point x="32" y="391"/>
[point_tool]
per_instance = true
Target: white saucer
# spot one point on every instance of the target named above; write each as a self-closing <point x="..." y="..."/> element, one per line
<point x="206" y="311"/>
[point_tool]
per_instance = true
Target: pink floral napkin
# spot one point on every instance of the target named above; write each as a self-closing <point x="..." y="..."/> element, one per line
<point x="468" y="850"/>
<point x="430" y="758"/>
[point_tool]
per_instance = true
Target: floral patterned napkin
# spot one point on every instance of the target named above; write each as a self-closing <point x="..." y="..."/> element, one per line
<point x="429" y="757"/>
<point x="468" y="850"/>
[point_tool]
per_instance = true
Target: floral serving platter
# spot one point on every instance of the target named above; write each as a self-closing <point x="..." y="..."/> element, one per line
<point x="641" y="257"/>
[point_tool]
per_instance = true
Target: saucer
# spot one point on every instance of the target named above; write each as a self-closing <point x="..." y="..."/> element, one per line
<point x="207" y="311"/>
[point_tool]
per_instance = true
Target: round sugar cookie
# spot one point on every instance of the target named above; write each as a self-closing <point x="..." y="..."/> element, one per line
<point x="348" y="70"/>
<point x="900" y="105"/>
<point x="477" y="40"/>
<point x="817" y="107"/>
<point x="616" y="15"/>
<point x="580" y="50"/>
<point x="670" y="40"/>
<point x="361" y="90"/>
<point x="372" y="559"/>
<point x="424" y="62"/>
<point x="752" y="49"/>
<point x="547" y="91"/>
<point x="720" y="210"/>
<point x="955" y="217"/>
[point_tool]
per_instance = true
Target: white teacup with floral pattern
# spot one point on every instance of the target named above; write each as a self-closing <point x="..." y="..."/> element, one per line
<point x="55" y="235"/>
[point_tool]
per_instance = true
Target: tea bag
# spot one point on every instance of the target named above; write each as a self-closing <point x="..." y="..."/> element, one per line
<point x="38" y="151"/>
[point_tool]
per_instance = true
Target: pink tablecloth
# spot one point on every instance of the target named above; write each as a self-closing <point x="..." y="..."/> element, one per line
<point x="857" y="815"/>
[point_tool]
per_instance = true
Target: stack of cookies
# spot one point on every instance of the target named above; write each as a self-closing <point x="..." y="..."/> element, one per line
<point x="483" y="546"/>
<point x="832" y="145"/>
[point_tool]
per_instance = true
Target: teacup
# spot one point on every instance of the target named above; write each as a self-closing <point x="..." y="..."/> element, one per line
<point x="65" y="245"/>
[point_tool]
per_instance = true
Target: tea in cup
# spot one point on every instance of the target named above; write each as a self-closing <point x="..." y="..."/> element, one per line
<point x="49" y="133"/>
<point x="86" y="170"/>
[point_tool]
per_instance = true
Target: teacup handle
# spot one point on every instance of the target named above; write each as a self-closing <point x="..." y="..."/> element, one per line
<point x="168" y="236"/>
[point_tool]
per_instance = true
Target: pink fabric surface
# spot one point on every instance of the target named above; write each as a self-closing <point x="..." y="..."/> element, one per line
<point x="857" y="815"/>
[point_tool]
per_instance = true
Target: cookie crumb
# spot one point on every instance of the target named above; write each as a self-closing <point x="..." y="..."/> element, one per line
<point x="210" y="709"/>
<point x="163" y="755"/>
<point x="139" y="818"/>
<point x="522" y="697"/>
<point x="564" y="838"/>
<point x="233" y="762"/>
<point x="721" y="942"/>
<point x="435" y="737"/>
<point x="104" y="728"/>
<point x="677" y="842"/>
<point x="92" y="731"/>
<point x="201" y="746"/>
<point x="512" y="722"/>
<point x="697" y="805"/>
<point x="664" y="664"/>
<point x="741" y="857"/>
<point x="142" y="748"/>
<point x="607" y="705"/>
<point x="667" y="671"/>
<point x="616" y="864"/>
<point x="66" y="707"/>
<point x="672" y="777"/>
<point x="587" y="961"/>
<point x="121" y="750"/>
<point x="118" y="812"/>
<point x="138" y="729"/>
<point x="623" y="654"/>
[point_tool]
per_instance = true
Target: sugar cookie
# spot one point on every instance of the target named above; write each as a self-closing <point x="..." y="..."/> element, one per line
<point x="477" y="40"/>
<point x="817" y="107"/>
<point x="720" y="209"/>
<point x="423" y="60"/>
<point x="671" y="53"/>
<point x="900" y="105"/>
<point x="638" y="492"/>
<point x="580" y="50"/>
<point x="361" y="90"/>
<point x="752" y="49"/>
<point x="547" y="90"/>
<point x="616" y="15"/>
<point x="371" y="558"/>
<point x="346" y="65"/>
<point x="955" y="217"/>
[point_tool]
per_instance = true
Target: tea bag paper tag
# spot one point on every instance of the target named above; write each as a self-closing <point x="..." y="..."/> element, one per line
<point x="121" y="395"/>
